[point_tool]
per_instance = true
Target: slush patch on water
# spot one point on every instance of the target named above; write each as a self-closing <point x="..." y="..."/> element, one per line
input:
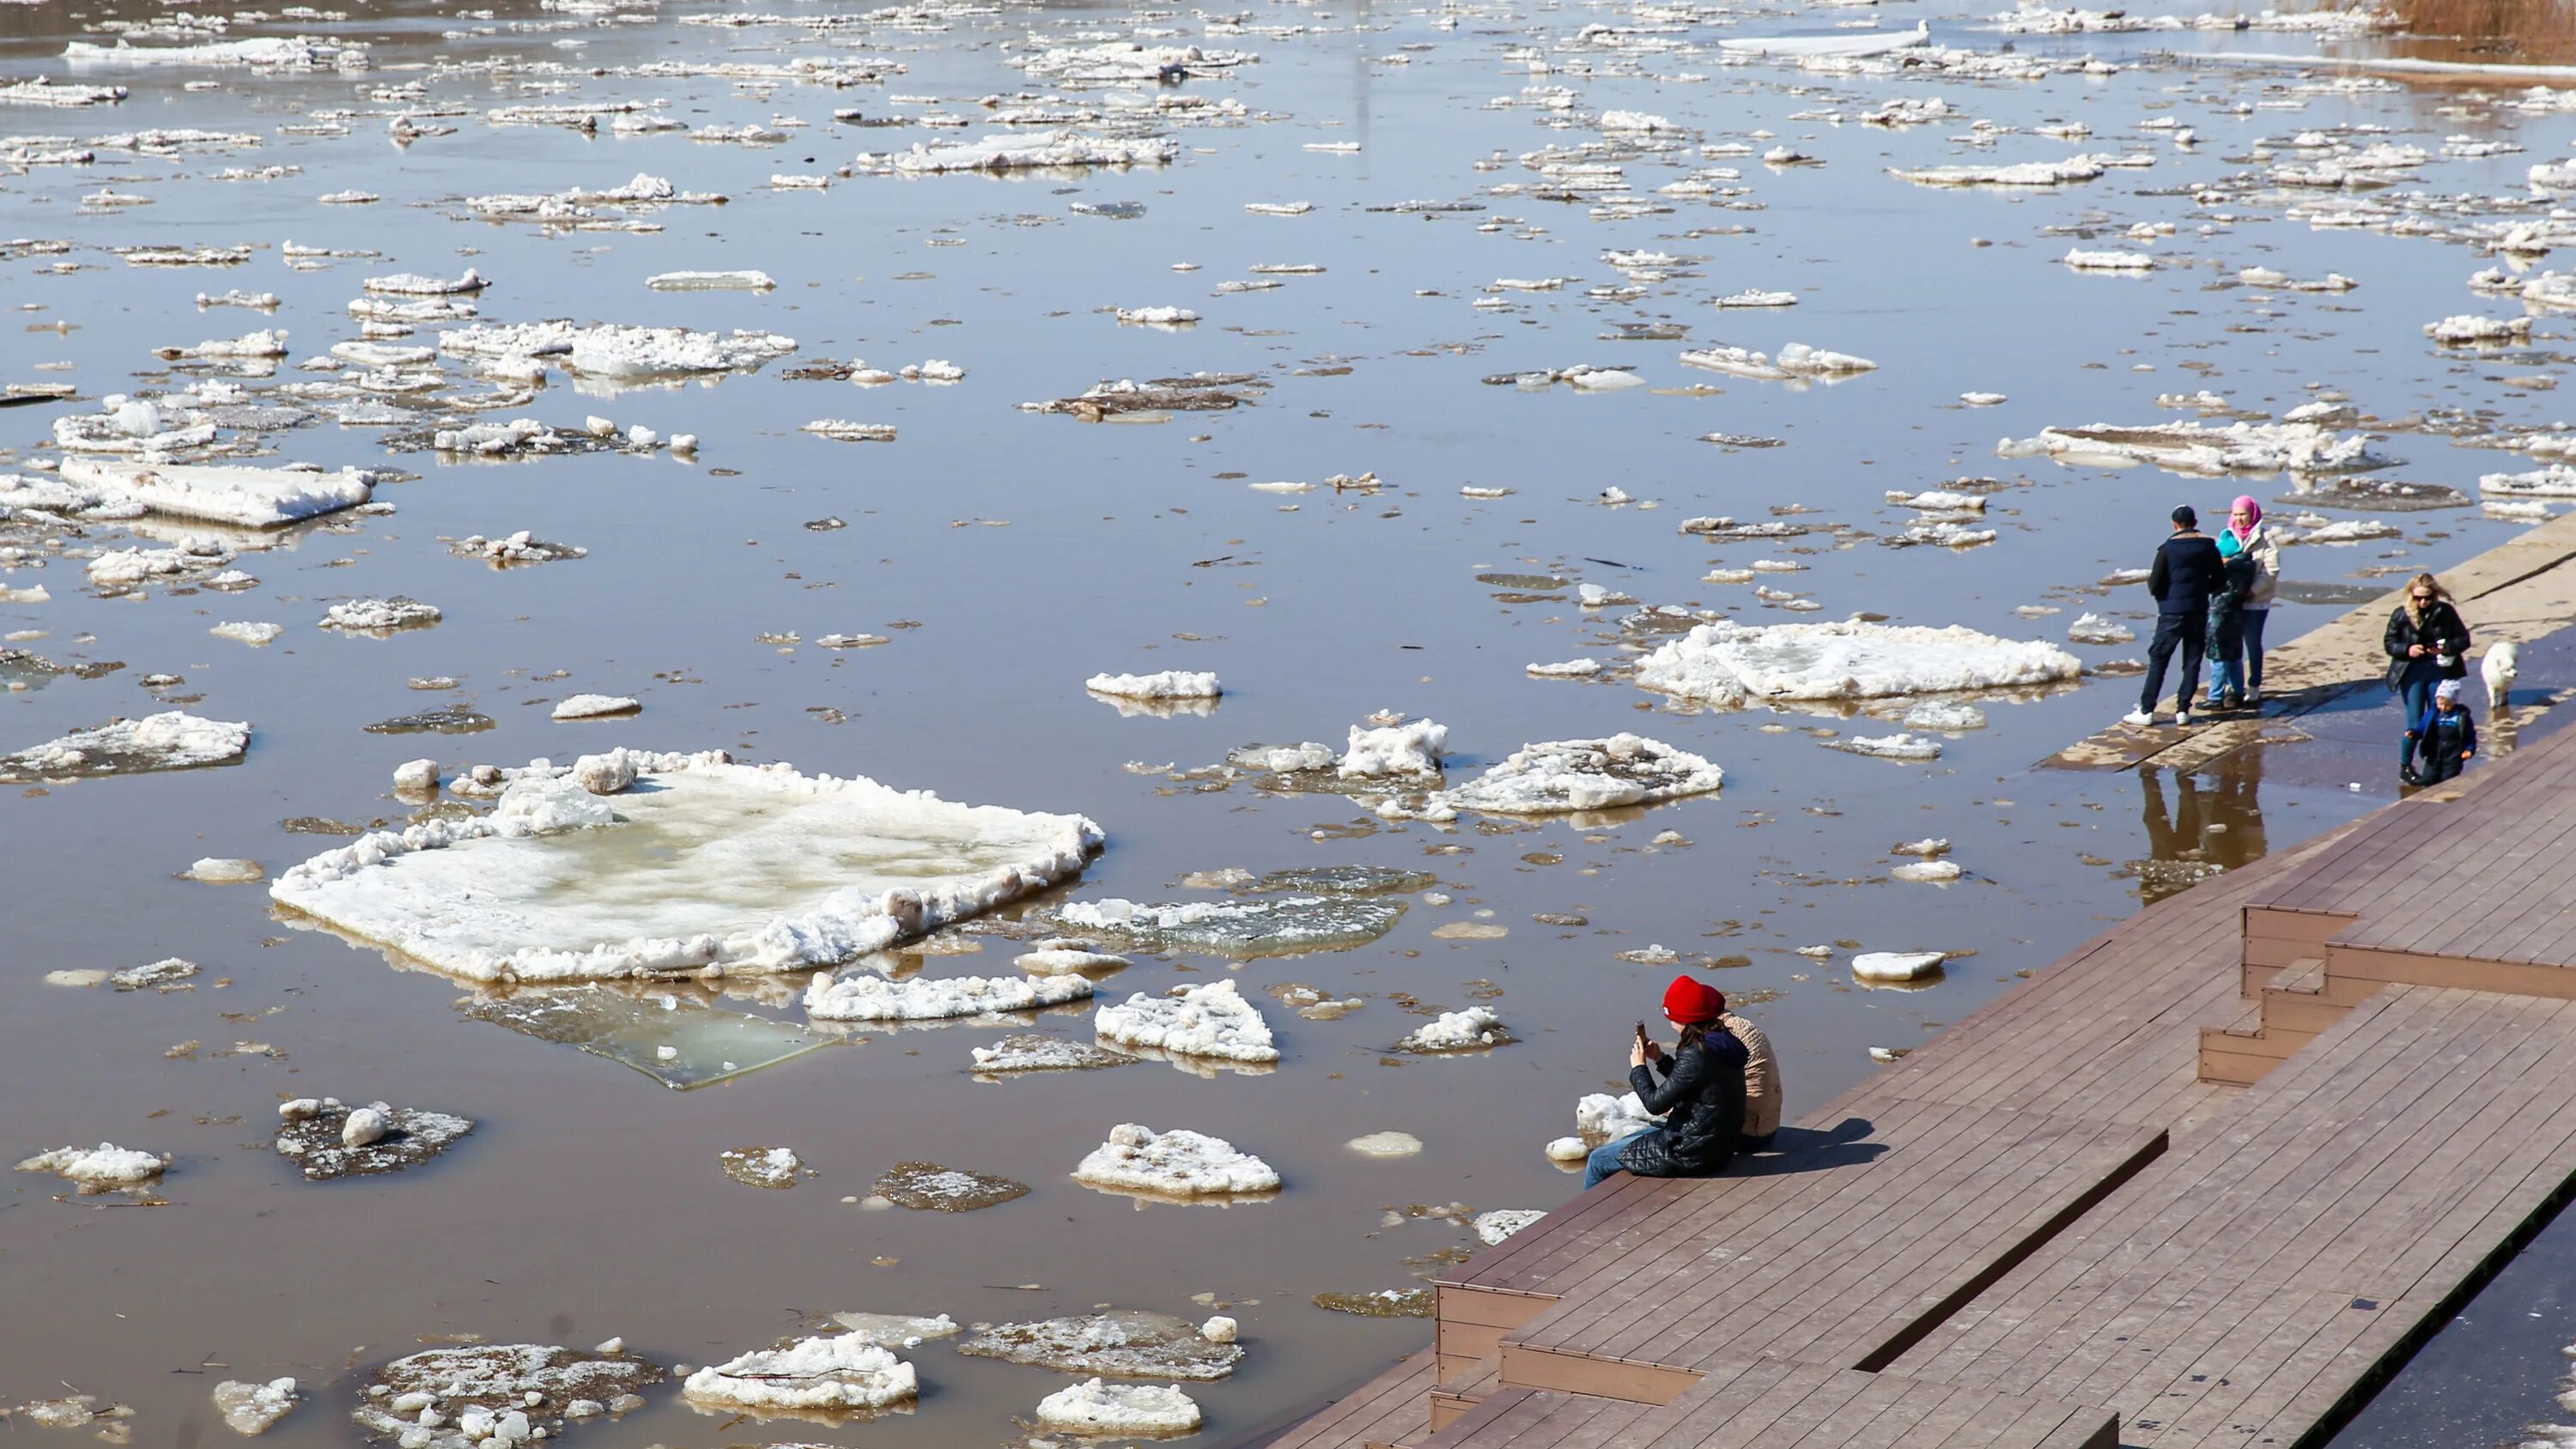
<point x="1384" y="1303"/>
<point x="474" y="1394"/>
<point x="929" y="1187"/>
<point x="673" y="1038"/>
<point x="842" y="1373"/>
<point x="707" y="863"/>
<point x="775" y="1167"/>
<point x="1732" y="664"/>
<point x="174" y="740"/>
<point x="1127" y="1343"/>
<point x="902" y="1330"/>
<point x="1029" y="1052"/>
<point x="1274" y="927"/>
<point x="328" y="1140"/>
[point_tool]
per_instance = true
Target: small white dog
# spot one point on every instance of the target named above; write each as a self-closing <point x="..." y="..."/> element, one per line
<point x="2498" y="669"/>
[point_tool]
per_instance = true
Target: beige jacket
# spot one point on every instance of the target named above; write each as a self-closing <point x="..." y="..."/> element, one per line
<point x="2267" y="552"/>
<point x="1761" y="1077"/>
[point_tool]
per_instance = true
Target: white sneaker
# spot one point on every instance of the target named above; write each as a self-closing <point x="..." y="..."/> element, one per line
<point x="2182" y="719"/>
<point x="2253" y="698"/>
<point x="2138" y="717"/>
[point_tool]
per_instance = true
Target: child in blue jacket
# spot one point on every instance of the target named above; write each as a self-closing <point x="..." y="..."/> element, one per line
<point x="2445" y="738"/>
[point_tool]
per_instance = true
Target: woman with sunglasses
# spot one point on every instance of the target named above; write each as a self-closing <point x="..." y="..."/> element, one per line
<point x="2427" y="642"/>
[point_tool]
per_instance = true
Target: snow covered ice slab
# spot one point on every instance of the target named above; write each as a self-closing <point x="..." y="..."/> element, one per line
<point x="2204" y="451"/>
<point x="474" y="1392"/>
<point x="1561" y="776"/>
<point x="1044" y="149"/>
<point x="251" y="497"/>
<point x="1276" y="927"/>
<point x="1725" y="663"/>
<point x="863" y="997"/>
<point x="836" y="1374"/>
<point x="703" y="863"/>
<point x="612" y="351"/>
<point x="1128" y="1343"/>
<point x="102" y="1168"/>
<point x="1212" y="1020"/>
<point x="1173" y="1164"/>
<point x="1123" y="1410"/>
<point x="669" y="1036"/>
<point x="312" y="1133"/>
<point x="174" y="740"/>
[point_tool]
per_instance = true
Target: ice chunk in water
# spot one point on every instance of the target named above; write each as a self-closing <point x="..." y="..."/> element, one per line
<point x="1170" y="684"/>
<point x="1501" y="1223"/>
<point x="671" y="1037"/>
<point x="771" y="1167"/>
<point x="898" y="1329"/>
<point x="1897" y="965"/>
<point x="1095" y="1408"/>
<point x="251" y="1409"/>
<point x="253" y="497"/>
<point x="1727" y="663"/>
<point x="1173" y="1164"/>
<point x="1561" y="776"/>
<point x="1280" y="926"/>
<point x="1027" y="1052"/>
<point x="1404" y="749"/>
<point x="463" y="1389"/>
<point x="709" y="863"/>
<point x="1126" y="1343"/>
<point x="99" y="1169"/>
<point x="929" y="1187"/>
<point x="1382" y="1303"/>
<point x="862" y="997"/>
<point x="835" y="1374"/>
<point x="1211" y="1020"/>
<point x="1457" y="1031"/>
<point x="174" y="740"/>
<point x="1888" y="747"/>
<point x="317" y="1141"/>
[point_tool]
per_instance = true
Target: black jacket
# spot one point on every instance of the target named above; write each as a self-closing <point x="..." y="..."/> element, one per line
<point x="1701" y="1100"/>
<point x="2443" y="633"/>
<point x="2237" y="576"/>
<point x="2187" y="571"/>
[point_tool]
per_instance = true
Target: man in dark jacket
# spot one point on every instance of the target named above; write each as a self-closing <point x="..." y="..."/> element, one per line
<point x="2187" y="571"/>
<point x="1700" y="1095"/>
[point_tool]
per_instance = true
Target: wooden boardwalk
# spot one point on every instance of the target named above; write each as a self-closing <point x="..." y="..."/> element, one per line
<point x="2208" y="1181"/>
<point x="2515" y="591"/>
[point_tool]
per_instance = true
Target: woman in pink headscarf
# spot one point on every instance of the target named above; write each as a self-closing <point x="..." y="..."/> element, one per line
<point x="2236" y="640"/>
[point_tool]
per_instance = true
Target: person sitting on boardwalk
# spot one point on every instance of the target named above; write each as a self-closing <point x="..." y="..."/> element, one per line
<point x="2427" y="643"/>
<point x="1761" y="1083"/>
<point x="2445" y="738"/>
<point x="1700" y="1096"/>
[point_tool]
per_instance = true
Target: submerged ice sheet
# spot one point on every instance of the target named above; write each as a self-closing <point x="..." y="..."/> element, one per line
<point x="1731" y="664"/>
<point x="672" y="1036"/>
<point x="930" y="1187"/>
<point x="1277" y="926"/>
<point x="708" y="863"/>
<point x="1127" y="1343"/>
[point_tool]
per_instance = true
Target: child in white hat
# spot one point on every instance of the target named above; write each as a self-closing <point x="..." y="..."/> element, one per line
<point x="2444" y="739"/>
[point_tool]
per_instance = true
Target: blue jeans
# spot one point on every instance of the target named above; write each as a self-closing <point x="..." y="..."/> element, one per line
<point x="1604" y="1161"/>
<point x="2415" y="688"/>
<point x="2236" y="673"/>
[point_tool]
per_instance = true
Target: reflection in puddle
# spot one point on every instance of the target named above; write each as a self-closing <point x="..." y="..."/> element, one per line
<point x="2215" y="824"/>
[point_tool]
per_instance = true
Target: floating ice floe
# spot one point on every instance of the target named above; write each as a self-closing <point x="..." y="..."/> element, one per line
<point x="898" y="1330"/>
<point x="1032" y="1053"/>
<point x="2349" y="530"/>
<point x="1457" y="1031"/>
<point x="2204" y="451"/>
<point x="1058" y="957"/>
<point x="929" y="1187"/>
<point x="2024" y="173"/>
<point x="1493" y="1227"/>
<point x="2094" y="629"/>
<point x="1171" y="684"/>
<point x="864" y="997"/>
<point x="223" y="870"/>
<point x="249" y="347"/>
<point x="711" y="282"/>
<point x="1567" y="669"/>
<point x="269" y="52"/>
<point x="841" y="430"/>
<point x="1036" y="151"/>
<point x="1386" y="1144"/>
<point x="380" y="616"/>
<point x="1120" y="1343"/>
<point x="1280" y="926"/>
<point x="1897" y="965"/>
<point x="2469" y="330"/>
<point x="613" y="350"/>
<point x="499" y="1394"/>
<point x="162" y="975"/>
<point x="521" y="547"/>
<point x="413" y="284"/>
<point x="2281" y="281"/>
<point x="1211" y="1020"/>
<point x="1730" y="664"/>
<point x="1411" y="749"/>
<point x="1380" y="1303"/>
<point x="2079" y="260"/>
<point x="1176" y="1164"/>
<point x="597" y="706"/>
<point x="327" y="1140"/>
<point x="1757" y="299"/>
<point x="1934" y="872"/>
<point x="252" y="497"/>
<point x="767" y="1167"/>
<point x="1939" y="500"/>
<point x="132" y="425"/>
<point x="104" y="1168"/>
<point x="1888" y="747"/>
<point x="1569" y="776"/>
<point x="42" y="91"/>
<point x="172" y="740"/>
<point x="2558" y="480"/>
<point x="1139" y="1410"/>
<point x="1795" y="360"/>
<point x="1806" y="47"/>
<point x="751" y="868"/>
<point x="252" y="1409"/>
<point x="1157" y="316"/>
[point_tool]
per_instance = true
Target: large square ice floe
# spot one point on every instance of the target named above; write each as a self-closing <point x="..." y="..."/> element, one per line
<point x="234" y="493"/>
<point x="701" y="862"/>
<point x="1725" y="663"/>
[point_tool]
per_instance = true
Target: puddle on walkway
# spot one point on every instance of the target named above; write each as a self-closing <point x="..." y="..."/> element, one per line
<point x="1309" y="491"/>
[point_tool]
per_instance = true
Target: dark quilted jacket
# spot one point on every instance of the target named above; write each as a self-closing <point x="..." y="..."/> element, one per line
<point x="1701" y="1099"/>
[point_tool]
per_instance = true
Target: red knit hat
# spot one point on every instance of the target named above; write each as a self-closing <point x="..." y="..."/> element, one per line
<point x="1688" y="1002"/>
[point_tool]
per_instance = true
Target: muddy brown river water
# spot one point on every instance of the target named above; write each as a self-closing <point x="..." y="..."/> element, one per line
<point x="1007" y="554"/>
